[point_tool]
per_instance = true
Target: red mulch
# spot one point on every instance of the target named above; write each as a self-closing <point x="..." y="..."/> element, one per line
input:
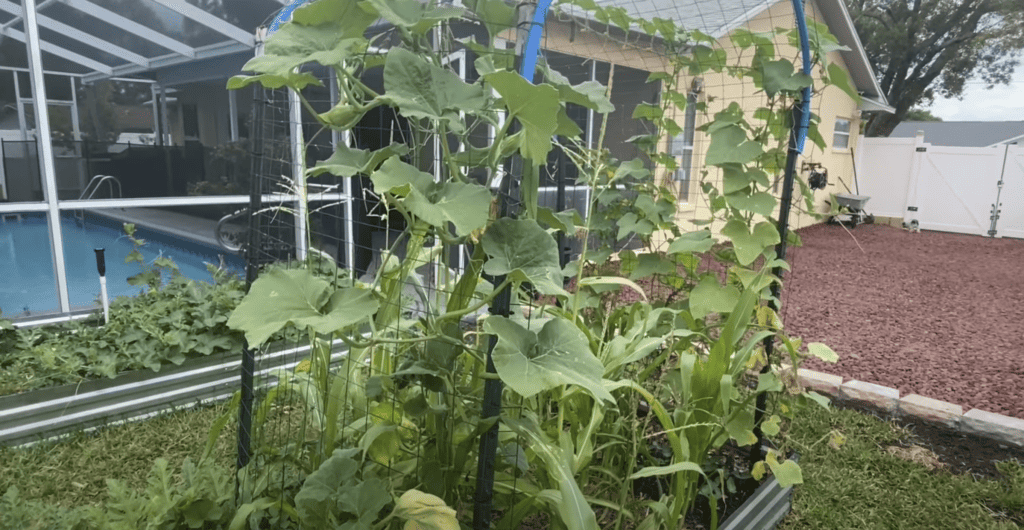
<point x="930" y="313"/>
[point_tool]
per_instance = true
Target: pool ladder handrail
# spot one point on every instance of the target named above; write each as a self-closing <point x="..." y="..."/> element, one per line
<point x="94" y="185"/>
<point x="230" y="241"/>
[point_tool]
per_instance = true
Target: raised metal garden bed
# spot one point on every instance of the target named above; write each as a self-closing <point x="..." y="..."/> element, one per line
<point x="47" y="413"/>
<point x="764" y="510"/>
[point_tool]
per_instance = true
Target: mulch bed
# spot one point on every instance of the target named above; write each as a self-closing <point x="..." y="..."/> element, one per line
<point x="930" y="313"/>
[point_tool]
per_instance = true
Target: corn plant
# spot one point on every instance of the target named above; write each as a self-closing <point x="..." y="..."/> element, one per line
<point x="594" y="384"/>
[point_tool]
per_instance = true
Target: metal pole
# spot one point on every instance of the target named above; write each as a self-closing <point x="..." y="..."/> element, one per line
<point x="76" y="126"/>
<point x="776" y="287"/>
<point x="345" y="138"/>
<point x="45" y="150"/>
<point x="561" y="169"/>
<point x="298" y="173"/>
<point x="158" y="133"/>
<point x="999" y="192"/>
<point x="3" y="171"/>
<point x="233" y="114"/>
<point x="165" y="125"/>
<point x="252" y="267"/>
<point x="487" y="453"/>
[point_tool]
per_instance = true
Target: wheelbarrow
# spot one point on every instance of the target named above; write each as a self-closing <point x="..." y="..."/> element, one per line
<point x="854" y="214"/>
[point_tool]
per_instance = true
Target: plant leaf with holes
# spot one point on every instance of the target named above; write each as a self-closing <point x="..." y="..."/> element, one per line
<point x="822" y="352"/>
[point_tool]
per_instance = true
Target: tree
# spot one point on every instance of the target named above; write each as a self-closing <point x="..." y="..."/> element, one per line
<point x="921" y="115"/>
<point x="923" y="48"/>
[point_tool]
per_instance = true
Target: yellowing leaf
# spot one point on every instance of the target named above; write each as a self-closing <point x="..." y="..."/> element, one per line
<point x="836" y="439"/>
<point x="822" y="352"/>
<point x="787" y="473"/>
<point x="771" y="425"/>
<point x="423" y="511"/>
<point x="759" y="470"/>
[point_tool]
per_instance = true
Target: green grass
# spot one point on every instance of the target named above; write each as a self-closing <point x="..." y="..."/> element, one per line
<point x="72" y="472"/>
<point x="860" y="486"/>
<point x="855" y="486"/>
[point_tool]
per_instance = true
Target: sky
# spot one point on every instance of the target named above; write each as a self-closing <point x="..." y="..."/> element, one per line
<point x="1002" y="103"/>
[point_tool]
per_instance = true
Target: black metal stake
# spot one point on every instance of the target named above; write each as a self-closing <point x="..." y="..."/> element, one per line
<point x="483" y="498"/>
<point x="563" y="254"/>
<point x="252" y="250"/>
<point x="776" y="287"/>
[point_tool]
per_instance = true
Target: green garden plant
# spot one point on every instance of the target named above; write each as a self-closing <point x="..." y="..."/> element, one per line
<point x="166" y="324"/>
<point x="581" y="371"/>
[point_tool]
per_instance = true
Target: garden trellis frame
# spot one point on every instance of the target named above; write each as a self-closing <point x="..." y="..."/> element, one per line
<point x="279" y="232"/>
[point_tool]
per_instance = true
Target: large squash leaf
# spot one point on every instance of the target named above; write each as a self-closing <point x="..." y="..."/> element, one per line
<point x="535" y="106"/>
<point x="414" y="15"/>
<point x="559" y="354"/>
<point x="464" y="205"/>
<point x="422" y="89"/>
<point x="299" y="298"/>
<point x="522" y="249"/>
<point x="349" y="162"/>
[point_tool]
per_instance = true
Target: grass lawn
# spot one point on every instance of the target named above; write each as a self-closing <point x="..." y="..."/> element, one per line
<point x="857" y="484"/>
<point x="73" y="471"/>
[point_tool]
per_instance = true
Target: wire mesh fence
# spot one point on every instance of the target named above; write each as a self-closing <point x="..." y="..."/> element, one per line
<point x="413" y="385"/>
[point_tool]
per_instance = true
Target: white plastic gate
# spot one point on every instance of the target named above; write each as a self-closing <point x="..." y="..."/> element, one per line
<point x="950" y="189"/>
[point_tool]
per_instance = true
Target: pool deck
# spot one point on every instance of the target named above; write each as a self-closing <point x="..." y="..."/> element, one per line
<point x="177" y="224"/>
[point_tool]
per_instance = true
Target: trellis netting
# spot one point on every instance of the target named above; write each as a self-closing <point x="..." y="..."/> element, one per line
<point x="373" y="184"/>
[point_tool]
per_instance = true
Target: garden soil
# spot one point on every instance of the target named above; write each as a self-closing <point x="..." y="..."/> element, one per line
<point x="929" y="313"/>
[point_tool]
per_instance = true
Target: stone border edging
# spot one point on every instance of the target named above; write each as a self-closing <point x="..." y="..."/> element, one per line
<point x="1003" y="429"/>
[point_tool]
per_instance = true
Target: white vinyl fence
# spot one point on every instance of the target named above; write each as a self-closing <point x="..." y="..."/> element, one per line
<point x="951" y="189"/>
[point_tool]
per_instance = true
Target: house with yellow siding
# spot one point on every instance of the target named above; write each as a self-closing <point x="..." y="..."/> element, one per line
<point x="584" y="49"/>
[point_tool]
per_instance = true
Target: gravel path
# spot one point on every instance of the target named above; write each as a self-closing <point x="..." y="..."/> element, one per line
<point x="931" y="313"/>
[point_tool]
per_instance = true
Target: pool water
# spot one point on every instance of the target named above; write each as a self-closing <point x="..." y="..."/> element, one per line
<point x="27" y="283"/>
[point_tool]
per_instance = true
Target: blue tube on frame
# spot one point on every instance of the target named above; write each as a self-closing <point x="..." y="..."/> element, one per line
<point x="528" y="67"/>
<point x="805" y="53"/>
<point x="284" y="15"/>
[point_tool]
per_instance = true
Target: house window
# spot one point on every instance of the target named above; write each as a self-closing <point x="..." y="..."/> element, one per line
<point x="841" y="134"/>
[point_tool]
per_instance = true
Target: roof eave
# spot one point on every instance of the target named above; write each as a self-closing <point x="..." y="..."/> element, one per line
<point x="868" y="104"/>
<point x="839" y="21"/>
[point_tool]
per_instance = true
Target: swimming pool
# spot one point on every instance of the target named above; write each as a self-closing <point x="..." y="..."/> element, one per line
<point x="27" y="284"/>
